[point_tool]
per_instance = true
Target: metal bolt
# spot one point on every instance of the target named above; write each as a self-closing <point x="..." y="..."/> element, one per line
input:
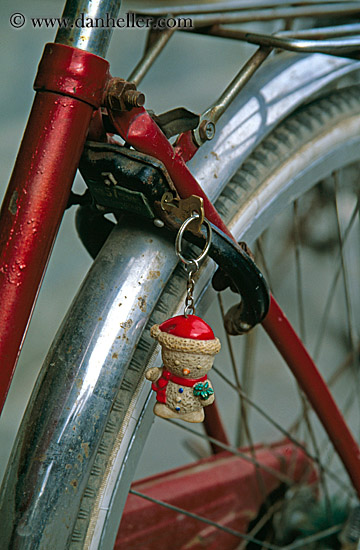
<point x="122" y="95"/>
<point x="133" y="98"/>
<point x="158" y="222"/>
<point x="207" y="130"/>
<point x="244" y="326"/>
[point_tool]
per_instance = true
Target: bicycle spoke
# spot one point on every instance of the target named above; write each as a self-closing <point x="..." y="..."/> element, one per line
<point x="262" y="522"/>
<point x="243" y="420"/>
<point x="331" y="293"/>
<point x="304" y="542"/>
<point x="298" y="272"/>
<point x="248" y="368"/>
<point x="281" y="477"/>
<point x="248" y="538"/>
<point x="243" y="424"/>
<point x="286" y="433"/>
<point x="346" y="286"/>
<point x="301" y="314"/>
<point x="264" y="266"/>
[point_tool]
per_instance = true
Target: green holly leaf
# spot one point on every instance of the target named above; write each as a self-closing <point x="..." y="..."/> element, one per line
<point x="198" y="388"/>
<point x="203" y="390"/>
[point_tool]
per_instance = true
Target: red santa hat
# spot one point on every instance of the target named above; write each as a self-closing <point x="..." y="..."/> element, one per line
<point x="187" y="334"/>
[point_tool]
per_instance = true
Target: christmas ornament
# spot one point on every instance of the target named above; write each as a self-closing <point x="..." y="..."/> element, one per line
<point x="188" y="346"/>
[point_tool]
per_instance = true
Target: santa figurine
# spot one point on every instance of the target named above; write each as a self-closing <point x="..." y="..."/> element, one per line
<point x="181" y="385"/>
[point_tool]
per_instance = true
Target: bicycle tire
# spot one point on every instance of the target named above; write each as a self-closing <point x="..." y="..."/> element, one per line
<point x="247" y="205"/>
<point x="300" y="131"/>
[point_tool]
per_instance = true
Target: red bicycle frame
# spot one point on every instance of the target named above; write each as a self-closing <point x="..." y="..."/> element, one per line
<point x="70" y="86"/>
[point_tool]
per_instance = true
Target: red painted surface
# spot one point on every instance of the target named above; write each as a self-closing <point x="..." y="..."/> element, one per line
<point x="187" y="327"/>
<point x="223" y="488"/>
<point x="39" y="187"/>
<point x="138" y="129"/>
<point x="185" y="146"/>
<point x="73" y="73"/>
<point x="315" y="388"/>
<point x="214" y="427"/>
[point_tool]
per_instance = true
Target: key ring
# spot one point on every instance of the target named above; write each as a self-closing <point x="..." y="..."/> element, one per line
<point x="178" y="247"/>
<point x="191" y="266"/>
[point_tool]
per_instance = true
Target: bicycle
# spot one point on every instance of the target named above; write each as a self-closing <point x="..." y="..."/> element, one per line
<point x="303" y="130"/>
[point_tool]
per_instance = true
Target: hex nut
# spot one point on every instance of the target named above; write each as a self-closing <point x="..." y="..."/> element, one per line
<point x="122" y="95"/>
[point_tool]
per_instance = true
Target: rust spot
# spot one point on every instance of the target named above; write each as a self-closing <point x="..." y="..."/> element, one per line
<point x="100" y="319"/>
<point x="215" y="155"/>
<point x="74" y="483"/>
<point x="142" y="303"/>
<point x="115" y="355"/>
<point x="41" y="458"/>
<point x="85" y="448"/>
<point x="127" y="324"/>
<point x="80" y="457"/>
<point x="68" y="467"/>
<point x="153" y="274"/>
<point x="12" y="204"/>
<point x="78" y="382"/>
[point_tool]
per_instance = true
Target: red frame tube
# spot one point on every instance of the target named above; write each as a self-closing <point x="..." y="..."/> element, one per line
<point x="70" y="85"/>
<point x="316" y="390"/>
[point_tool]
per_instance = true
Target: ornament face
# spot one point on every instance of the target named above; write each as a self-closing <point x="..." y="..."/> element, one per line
<point x="181" y="385"/>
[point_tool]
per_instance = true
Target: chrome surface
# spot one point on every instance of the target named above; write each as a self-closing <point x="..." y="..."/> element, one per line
<point x="221" y="5"/>
<point x="218" y="108"/>
<point x="90" y="38"/>
<point x="281" y="84"/>
<point x="336" y="46"/>
<point x="84" y="370"/>
<point x="336" y="42"/>
<point x="58" y="439"/>
<point x="324" y="32"/>
<point x="269" y="12"/>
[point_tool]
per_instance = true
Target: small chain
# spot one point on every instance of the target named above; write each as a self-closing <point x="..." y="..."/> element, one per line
<point x="191" y="266"/>
<point x="191" y="269"/>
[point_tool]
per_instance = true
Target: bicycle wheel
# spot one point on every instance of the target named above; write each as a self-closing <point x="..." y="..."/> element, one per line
<point x="315" y="143"/>
<point x="319" y="140"/>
